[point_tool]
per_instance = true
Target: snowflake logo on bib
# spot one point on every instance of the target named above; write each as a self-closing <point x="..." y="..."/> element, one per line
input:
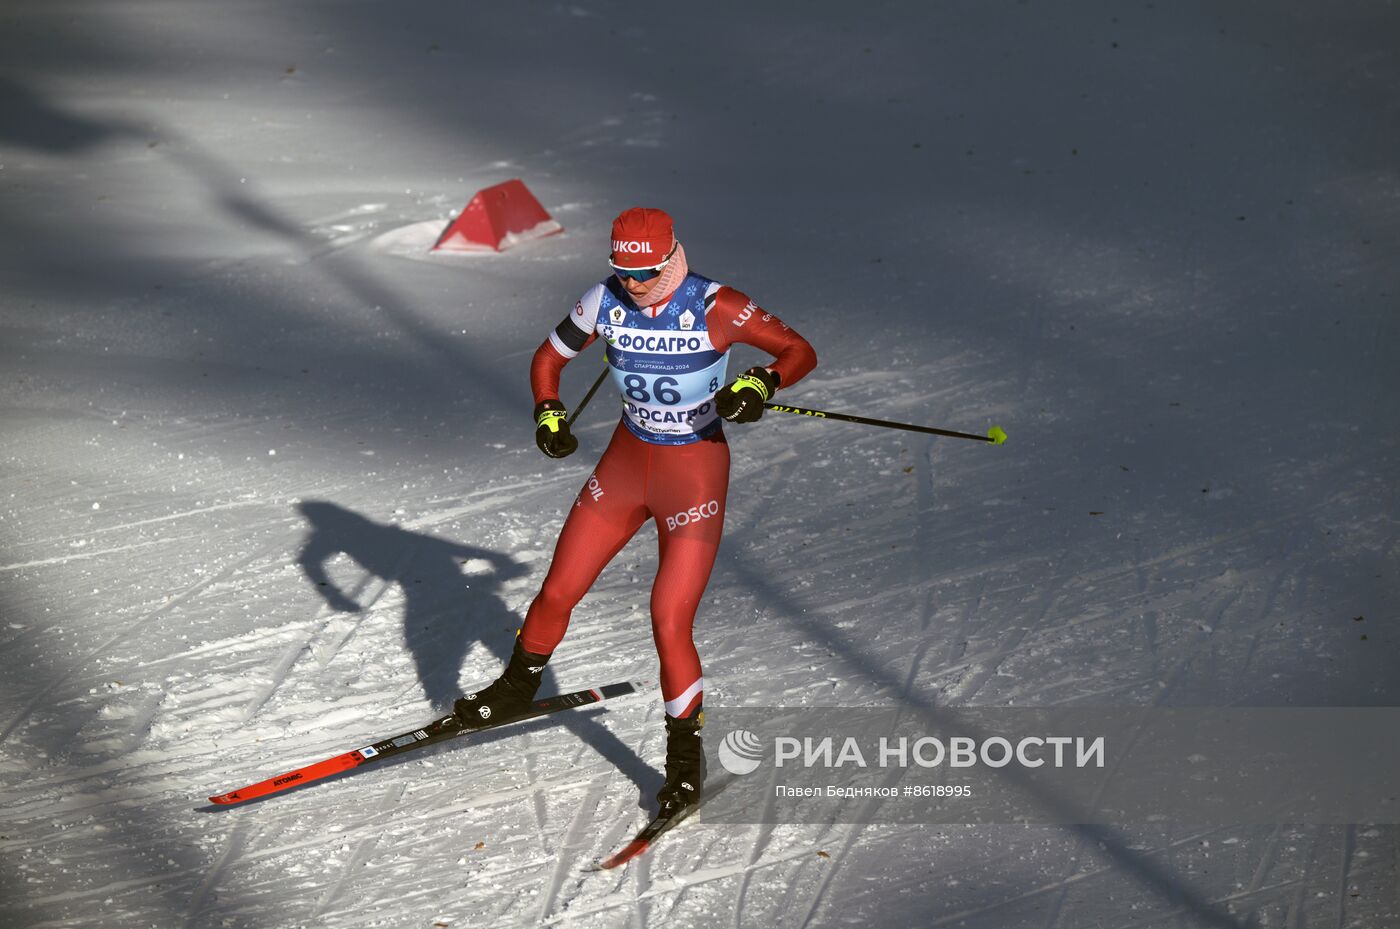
<point x="687" y="320"/>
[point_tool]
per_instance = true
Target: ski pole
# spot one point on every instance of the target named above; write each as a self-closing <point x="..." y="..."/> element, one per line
<point x="995" y="435"/>
<point x="588" y="396"/>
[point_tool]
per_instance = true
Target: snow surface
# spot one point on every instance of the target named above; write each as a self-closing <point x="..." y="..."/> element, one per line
<point x="1156" y="242"/>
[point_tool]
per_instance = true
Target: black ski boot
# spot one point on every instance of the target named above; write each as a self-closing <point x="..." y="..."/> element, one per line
<point x="685" y="763"/>
<point x="509" y="696"/>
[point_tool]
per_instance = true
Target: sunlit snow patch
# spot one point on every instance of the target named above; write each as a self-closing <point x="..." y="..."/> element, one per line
<point x="416" y="241"/>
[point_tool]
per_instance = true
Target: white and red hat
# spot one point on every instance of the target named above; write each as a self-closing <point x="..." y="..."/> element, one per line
<point x="642" y="237"/>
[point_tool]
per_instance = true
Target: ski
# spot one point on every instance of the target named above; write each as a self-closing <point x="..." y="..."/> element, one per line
<point x="439" y="730"/>
<point x="662" y="823"/>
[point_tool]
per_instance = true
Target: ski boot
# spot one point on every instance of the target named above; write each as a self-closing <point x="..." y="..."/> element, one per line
<point x="509" y="696"/>
<point x="685" y="763"/>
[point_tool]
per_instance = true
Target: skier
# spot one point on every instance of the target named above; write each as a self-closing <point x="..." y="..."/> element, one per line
<point x="668" y="332"/>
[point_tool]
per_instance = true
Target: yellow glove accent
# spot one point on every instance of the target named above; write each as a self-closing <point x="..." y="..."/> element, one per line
<point x="550" y="419"/>
<point x="746" y="380"/>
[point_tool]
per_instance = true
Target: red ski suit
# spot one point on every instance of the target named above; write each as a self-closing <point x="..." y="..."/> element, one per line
<point x="681" y="487"/>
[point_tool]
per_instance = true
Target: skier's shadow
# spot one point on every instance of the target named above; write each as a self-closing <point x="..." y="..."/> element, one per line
<point x="445" y="610"/>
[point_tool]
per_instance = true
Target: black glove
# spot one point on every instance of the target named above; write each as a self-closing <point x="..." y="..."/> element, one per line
<point x="552" y="433"/>
<point x="742" y="401"/>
